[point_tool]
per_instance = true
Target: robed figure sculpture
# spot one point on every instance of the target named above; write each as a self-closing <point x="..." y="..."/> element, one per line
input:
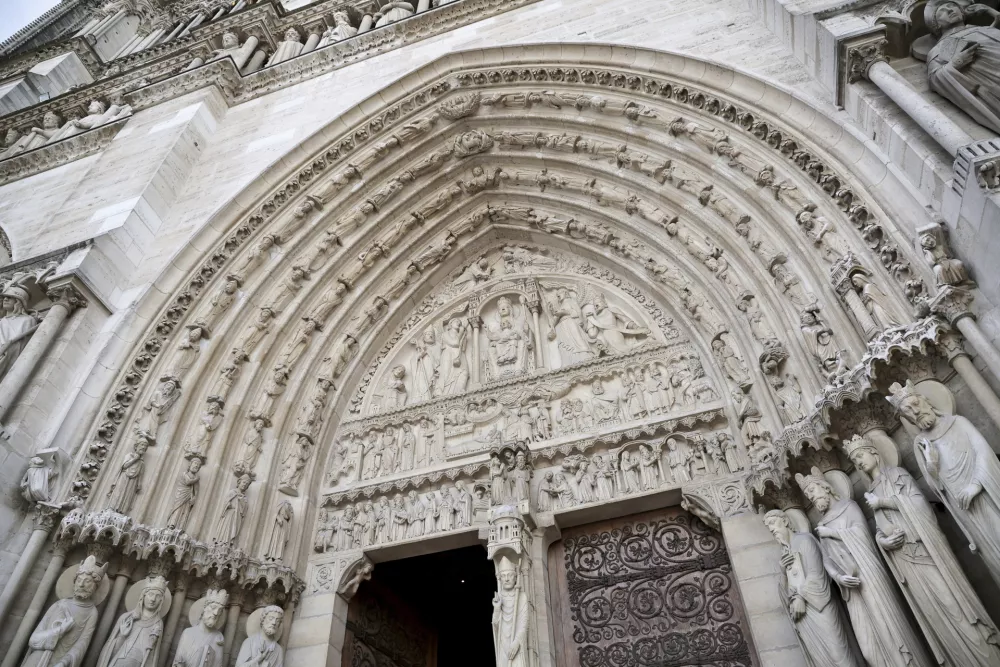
<point x="510" y="617"/>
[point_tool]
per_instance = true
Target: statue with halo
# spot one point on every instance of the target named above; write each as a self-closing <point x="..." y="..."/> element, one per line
<point x="135" y="640"/>
<point x="201" y="644"/>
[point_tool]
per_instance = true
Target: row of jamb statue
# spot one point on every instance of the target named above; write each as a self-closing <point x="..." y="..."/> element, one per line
<point x="960" y="465"/>
<point x="63" y="635"/>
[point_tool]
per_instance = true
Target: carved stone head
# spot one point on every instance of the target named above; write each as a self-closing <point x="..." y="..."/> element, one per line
<point x="96" y="108"/>
<point x="913" y="406"/>
<point x="50" y="121"/>
<point x="230" y="40"/>
<point x="88" y="578"/>
<point x="292" y="35"/>
<point x="777" y="522"/>
<point x="941" y="15"/>
<point x="270" y="620"/>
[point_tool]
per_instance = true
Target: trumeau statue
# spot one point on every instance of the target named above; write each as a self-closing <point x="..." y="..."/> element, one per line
<point x="805" y="589"/>
<point x="62" y="636"/>
<point x="201" y="645"/>
<point x="961" y="467"/>
<point x="16" y="325"/>
<point x="260" y="648"/>
<point x="511" y="615"/>
<point x="853" y="562"/>
<point x="964" y="65"/>
<point x="135" y="640"/>
<point x="953" y="620"/>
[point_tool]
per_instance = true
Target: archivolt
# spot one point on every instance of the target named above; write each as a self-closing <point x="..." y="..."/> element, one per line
<point x="653" y="172"/>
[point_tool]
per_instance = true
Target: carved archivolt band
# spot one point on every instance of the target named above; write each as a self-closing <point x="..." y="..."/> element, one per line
<point x="605" y="162"/>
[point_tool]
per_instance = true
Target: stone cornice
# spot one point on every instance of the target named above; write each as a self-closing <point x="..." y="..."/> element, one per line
<point x="22" y="62"/>
<point x="62" y="152"/>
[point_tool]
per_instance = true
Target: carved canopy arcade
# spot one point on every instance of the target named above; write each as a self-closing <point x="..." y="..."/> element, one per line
<point x="622" y="275"/>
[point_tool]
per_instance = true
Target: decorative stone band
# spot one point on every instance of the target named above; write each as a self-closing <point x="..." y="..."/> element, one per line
<point x="148" y="543"/>
<point x="62" y="152"/>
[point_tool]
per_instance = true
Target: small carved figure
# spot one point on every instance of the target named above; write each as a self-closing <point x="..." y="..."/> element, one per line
<point x="454" y="365"/>
<point x="947" y="269"/>
<point x="157" y="409"/>
<point x="234" y="511"/>
<point x="128" y="483"/>
<point x="679" y="458"/>
<point x="630" y="472"/>
<point x="875" y="300"/>
<point x="35" y="482"/>
<point x="463" y="505"/>
<point x="185" y="494"/>
<point x="280" y="529"/>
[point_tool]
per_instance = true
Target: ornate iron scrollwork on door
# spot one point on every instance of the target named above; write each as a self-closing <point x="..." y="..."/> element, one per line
<point x="654" y="593"/>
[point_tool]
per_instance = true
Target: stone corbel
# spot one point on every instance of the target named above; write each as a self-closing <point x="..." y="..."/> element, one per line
<point x="715" y="501"/>
<point x="855" y="56"/>
<point x="355" y="572"/>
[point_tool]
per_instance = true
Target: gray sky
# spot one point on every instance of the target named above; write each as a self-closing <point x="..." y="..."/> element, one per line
<point x="15" y="14"/>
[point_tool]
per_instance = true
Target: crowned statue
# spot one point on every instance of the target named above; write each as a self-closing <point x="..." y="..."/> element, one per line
<point x="960" y="465"/>
<point x="62" y="636"/>
<point x="201" y="644"/>
<point x="16" y="325"/>
<point x="135" y="640"/>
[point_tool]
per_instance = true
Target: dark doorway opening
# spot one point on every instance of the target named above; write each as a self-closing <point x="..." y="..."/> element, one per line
<point x="451" y="592"/>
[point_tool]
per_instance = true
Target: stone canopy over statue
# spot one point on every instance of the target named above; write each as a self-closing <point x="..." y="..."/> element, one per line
<point x="964" y="65"/>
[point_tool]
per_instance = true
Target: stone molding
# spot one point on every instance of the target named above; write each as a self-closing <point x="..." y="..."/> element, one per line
<point x="61" y="152"/>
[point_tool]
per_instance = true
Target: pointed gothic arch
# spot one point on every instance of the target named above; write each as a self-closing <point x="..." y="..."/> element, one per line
<point x="730" y="206"/>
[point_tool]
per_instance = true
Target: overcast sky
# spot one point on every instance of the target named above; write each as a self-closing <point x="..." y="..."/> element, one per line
<point x="15" y="14"/>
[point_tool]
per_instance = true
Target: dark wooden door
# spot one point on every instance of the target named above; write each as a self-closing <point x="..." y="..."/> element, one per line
<point x="384" y="631"/>
<point x="649" y="590"/>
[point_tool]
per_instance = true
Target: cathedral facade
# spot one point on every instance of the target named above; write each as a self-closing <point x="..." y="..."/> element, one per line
<point x="684" y="314"/>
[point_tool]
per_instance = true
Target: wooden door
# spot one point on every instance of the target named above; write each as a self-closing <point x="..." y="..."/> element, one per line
<point x="649" y="590"/>
<point x="384" y="631"/>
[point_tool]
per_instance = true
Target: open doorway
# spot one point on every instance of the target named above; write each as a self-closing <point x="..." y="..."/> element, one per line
<point x="426" y="611"/>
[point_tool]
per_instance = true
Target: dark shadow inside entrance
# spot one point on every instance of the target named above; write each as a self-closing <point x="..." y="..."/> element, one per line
<point x="451" y="592"/>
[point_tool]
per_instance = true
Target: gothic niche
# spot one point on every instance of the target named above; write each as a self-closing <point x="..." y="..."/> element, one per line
<point x="522" y="346"/>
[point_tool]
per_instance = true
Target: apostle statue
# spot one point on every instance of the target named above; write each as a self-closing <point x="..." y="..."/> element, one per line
<point x="288" y="48"/>
<point x="201" y="644"/>
<point x="16" y="325"/>
<point x="805" y="589"/>
<point x="510" y="617"/>
<point x="952" y="618"/>
<point x="962" y="468"/>
<point x="341" y="29"/>
<point x="61" y="638"/>
<point x="260" y="648"/>
<point x="964" y="65"/>
<point x="135" y="640"/>
<point x="853" y="562"/>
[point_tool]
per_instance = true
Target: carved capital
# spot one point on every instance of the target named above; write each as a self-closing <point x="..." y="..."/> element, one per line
<point x="66" y="293"/>
<point x="952" y="303"/>
<point x="45" y="516"/>
<point x="951" y="345"/>
<point x="856" y="55"/>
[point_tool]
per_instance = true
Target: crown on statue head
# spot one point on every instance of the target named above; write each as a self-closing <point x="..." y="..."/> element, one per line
<point x="859" y="443"/>
<point x="90" y="568"/>
<point x="815" y="476"/>
<point x="155" y="583"/>
<point x="899" y="393"/>
<point x="217" y="596"/>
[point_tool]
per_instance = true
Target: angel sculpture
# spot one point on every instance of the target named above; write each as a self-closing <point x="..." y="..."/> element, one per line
<point x="510" y="340"/>
<point x="566" y="324"/>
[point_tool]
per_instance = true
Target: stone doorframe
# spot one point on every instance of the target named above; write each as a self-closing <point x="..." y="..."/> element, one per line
<point x="320" y="625"/>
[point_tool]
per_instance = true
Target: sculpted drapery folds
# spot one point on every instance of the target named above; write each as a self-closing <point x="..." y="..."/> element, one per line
<point x="852" y="560"/>
<point x="136" y="638"/>
<point x="961" y="466"/>
<point x="943" y="601"/>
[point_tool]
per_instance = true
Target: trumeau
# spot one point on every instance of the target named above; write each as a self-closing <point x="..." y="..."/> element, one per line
<point x="519" y="290"/>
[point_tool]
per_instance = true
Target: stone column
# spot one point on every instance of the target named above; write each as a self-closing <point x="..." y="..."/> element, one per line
<point x="256" y="62"/>
<point x="951" y="345"/>
<point x="36" y="606"/>
<point x="366" y="23"/>
<point x="535" y="305"/>
<point x="866" y="59"/>
<point x="45" y="519"/>
<point x="109" y="615"/>
<point x="65" y="297"/>
<point x="311" y="41"/>
<point x="423" y="5"/>
<point x="173" y="618"/>
<point x="229" y="633"/>
<point x="476" y="323"/>
<point x="954" y="304"/>
<point x="192" y="24"/>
